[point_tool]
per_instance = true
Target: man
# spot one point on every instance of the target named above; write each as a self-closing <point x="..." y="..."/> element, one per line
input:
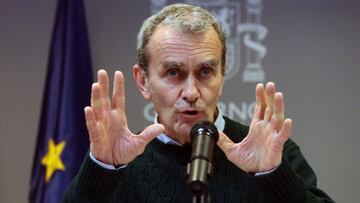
<point x="182" y="55"/>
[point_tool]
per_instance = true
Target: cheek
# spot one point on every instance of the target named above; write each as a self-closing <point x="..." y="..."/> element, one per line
<point x="164" y="97"/>
<point x="211" y="94"/>
<point x="164" y="100"/>
<point x="165" y="91"/>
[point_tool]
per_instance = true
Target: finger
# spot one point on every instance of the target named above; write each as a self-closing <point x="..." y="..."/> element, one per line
<point x="103" y="80"/>
<point x="285" y="131"/>
<point x="90" y="122"/>
<point x="259" y="102"/>
<point x="269" y="99"/>
<point x="118" y="97"/>
<point x="225" y="144"/>
<point x="278" y="115"/>
<point x="96" y="101"/>
<point x="151" y="132"/>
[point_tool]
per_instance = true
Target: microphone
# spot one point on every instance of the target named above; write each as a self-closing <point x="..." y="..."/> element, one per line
<point x="203" y="136"/>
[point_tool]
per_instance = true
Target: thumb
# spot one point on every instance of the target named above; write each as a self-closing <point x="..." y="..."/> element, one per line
<point x="150" y="132"/>
<point x="224" y="143"/>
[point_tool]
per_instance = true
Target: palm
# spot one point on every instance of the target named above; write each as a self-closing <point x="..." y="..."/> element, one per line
<point x="111" y="141"/>
<point x="116" y="136"/>
<point x="261" y="149"/>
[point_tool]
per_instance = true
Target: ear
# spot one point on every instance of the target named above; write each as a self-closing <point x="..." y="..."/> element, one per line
<point x="141" y="81"/>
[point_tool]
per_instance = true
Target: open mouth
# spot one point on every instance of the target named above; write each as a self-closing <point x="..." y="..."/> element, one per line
<point x="191" y="113"/>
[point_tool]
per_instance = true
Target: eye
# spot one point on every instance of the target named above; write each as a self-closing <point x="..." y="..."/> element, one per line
<point x="173" y="73"/>
<point x="205" y="72"/>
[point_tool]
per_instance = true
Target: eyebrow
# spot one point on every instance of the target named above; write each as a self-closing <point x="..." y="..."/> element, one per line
<point x="210" y="63"/>
<point x="171" y="64"/>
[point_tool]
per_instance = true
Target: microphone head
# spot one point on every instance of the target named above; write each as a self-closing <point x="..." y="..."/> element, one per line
<point x="204" y="128"/>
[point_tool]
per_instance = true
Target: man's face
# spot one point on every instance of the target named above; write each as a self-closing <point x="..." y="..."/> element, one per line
<point x="184" y="80"/>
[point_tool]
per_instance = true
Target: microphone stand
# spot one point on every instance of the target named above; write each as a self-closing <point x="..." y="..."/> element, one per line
<point x="204" y="198"/>
<point x="199" y="189"/>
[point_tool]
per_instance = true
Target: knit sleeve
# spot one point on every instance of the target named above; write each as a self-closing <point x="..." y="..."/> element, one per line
<point x="93" y="183"/>
<point x="293" y="181"/>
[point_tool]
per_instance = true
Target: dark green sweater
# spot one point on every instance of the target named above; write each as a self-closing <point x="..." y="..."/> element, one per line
<point x="159" y="175"/>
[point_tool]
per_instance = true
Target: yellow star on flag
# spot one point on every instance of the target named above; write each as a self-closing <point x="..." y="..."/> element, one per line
<point x="52" y="160"/>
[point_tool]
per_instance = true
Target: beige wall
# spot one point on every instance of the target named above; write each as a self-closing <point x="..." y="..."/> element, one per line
<point x="313" y="56"/>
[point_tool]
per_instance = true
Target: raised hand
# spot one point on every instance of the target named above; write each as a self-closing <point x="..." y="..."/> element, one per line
<point x="111" y="141"/>
<point x="261" y="150"/>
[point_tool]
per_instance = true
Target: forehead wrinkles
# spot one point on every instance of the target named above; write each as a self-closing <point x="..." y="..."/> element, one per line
<point x="169" y="44"/>
<point x="167" y="47"/>
<point x="184" y="44"/>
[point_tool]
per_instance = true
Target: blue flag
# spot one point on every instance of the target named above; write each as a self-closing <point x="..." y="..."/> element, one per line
<point x="62" y="137"/>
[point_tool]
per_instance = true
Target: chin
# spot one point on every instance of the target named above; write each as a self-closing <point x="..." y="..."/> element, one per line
<point x="186" y="127"/>
<point x="182" y="129"/>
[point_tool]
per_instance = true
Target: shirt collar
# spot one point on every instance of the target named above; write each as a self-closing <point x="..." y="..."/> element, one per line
<point x="219" y="123"/>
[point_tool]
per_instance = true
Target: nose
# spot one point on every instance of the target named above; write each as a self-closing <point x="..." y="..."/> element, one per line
<point x="190" y="92"/>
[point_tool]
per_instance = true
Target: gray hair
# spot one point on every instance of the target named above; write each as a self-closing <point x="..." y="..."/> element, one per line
<point x="182" y="17"/>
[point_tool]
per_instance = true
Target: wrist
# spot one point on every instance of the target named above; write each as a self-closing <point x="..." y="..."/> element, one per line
<point x="105" y="165"/>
